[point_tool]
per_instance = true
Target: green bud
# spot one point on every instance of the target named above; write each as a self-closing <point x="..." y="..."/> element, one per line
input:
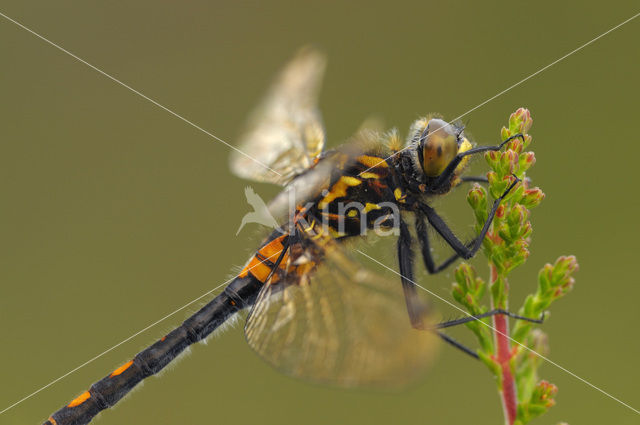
<point x="516" y="259"/>
<point x="564" y="267"/>
<point x="457" y="292"/>
<point x="524" y="231"/>
<point x="509" y="162"/>
<point x="504" y="133"/>
<point x="528" y="306"/>
<point x="488" y="244"/>
<point x="543" y="394"/>
<point x="526" y="160"/>
<point x="516" y="145"/>
<point x="504" y="233"/>
<point x="542" y="398"/>
<point x="518" y="215"/>
<point x="527" y="141"/>
<point x="522" y="247"/>
<point x="520" y="121"/>
<point x="492" y="176"/>
<point x="477" y="198"/>
<point x="469" y="288"/>
<point x="464" y="274"/>
<point x="532" y="197"/>
<point x="497" y="185"/>
<point x="493" y="159"/>
<point x="544" y="278"/>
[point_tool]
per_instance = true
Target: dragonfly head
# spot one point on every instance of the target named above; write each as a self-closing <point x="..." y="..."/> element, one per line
<point x="437" y="143"/>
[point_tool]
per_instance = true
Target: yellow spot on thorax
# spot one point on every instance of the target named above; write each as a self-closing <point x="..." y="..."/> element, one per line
<point x="369" y="175"/>
<point x="372" y="161"/>
<point x="80" y="399"/>
<point x="339" y="190"/>
<point x="369" y="207"/>
<point x="121" y="369"/>
<point x="350" y="181"/>
<point x="400" y="197"/>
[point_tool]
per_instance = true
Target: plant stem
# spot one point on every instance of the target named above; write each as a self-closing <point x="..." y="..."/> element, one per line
<point x="503" y="355"/>
<point x="506" y="245"/>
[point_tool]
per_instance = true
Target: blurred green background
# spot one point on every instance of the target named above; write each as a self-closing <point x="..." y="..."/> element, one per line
<point x="115" y="213"/>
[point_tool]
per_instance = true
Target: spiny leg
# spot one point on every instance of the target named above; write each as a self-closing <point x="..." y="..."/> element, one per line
<point x="415" y="306"/>
<point x="448" y="172"/>
<point x="425" y="248"/>
<point x="423" y="237"/>
<point x="490" y="313"/>
<point x="474" y="179"/>
<point x="483" y="179"/>
<point x="412" y="299"/>
<point x="469" y="250"/>
<point x="467" y="319"/>
<point x="462" y="250"/>
<point x="446" y="338"/>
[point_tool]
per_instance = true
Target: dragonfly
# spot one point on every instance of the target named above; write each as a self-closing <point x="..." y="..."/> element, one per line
<point x="315" y="312"/>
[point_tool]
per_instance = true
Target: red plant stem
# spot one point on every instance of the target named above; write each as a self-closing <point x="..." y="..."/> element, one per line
<point x="503" y="358"/>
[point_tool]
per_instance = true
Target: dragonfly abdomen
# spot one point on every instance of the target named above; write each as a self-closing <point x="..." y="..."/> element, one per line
<point x="109" y="390"/>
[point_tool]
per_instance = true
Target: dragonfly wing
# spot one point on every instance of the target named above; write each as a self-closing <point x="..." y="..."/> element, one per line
<point x="285" y="132"/>
<point x="339" y="324"/>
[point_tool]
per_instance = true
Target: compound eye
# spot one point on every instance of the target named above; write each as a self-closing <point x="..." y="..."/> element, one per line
<point x="440" y="146"/>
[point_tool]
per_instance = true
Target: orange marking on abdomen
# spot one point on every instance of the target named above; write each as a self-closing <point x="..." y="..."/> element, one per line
<point x="163" y="338"/>
<point x="53" y="421"/>
<point x="80" y="399"/>
<point x="270" y="253"/>
<point x="272" y="249"/>
<point x="258" y="269"/>
<point x="121" y="369"/>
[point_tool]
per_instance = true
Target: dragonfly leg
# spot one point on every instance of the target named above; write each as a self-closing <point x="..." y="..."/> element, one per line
<point x="423" y="237"/>
<point x="456" y="322"/>
<point x="446" y="338"/>
<point x="467" y="319"/>
<point x="465" y="251"/>
<point x="474" y="179"/>
<point x="425" y="248"/>
<point x="415" y="306"/>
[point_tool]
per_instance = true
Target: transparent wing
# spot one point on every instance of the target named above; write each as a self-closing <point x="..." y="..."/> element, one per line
<point x="339" y="324"/>
<point x="286" y="131"/>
